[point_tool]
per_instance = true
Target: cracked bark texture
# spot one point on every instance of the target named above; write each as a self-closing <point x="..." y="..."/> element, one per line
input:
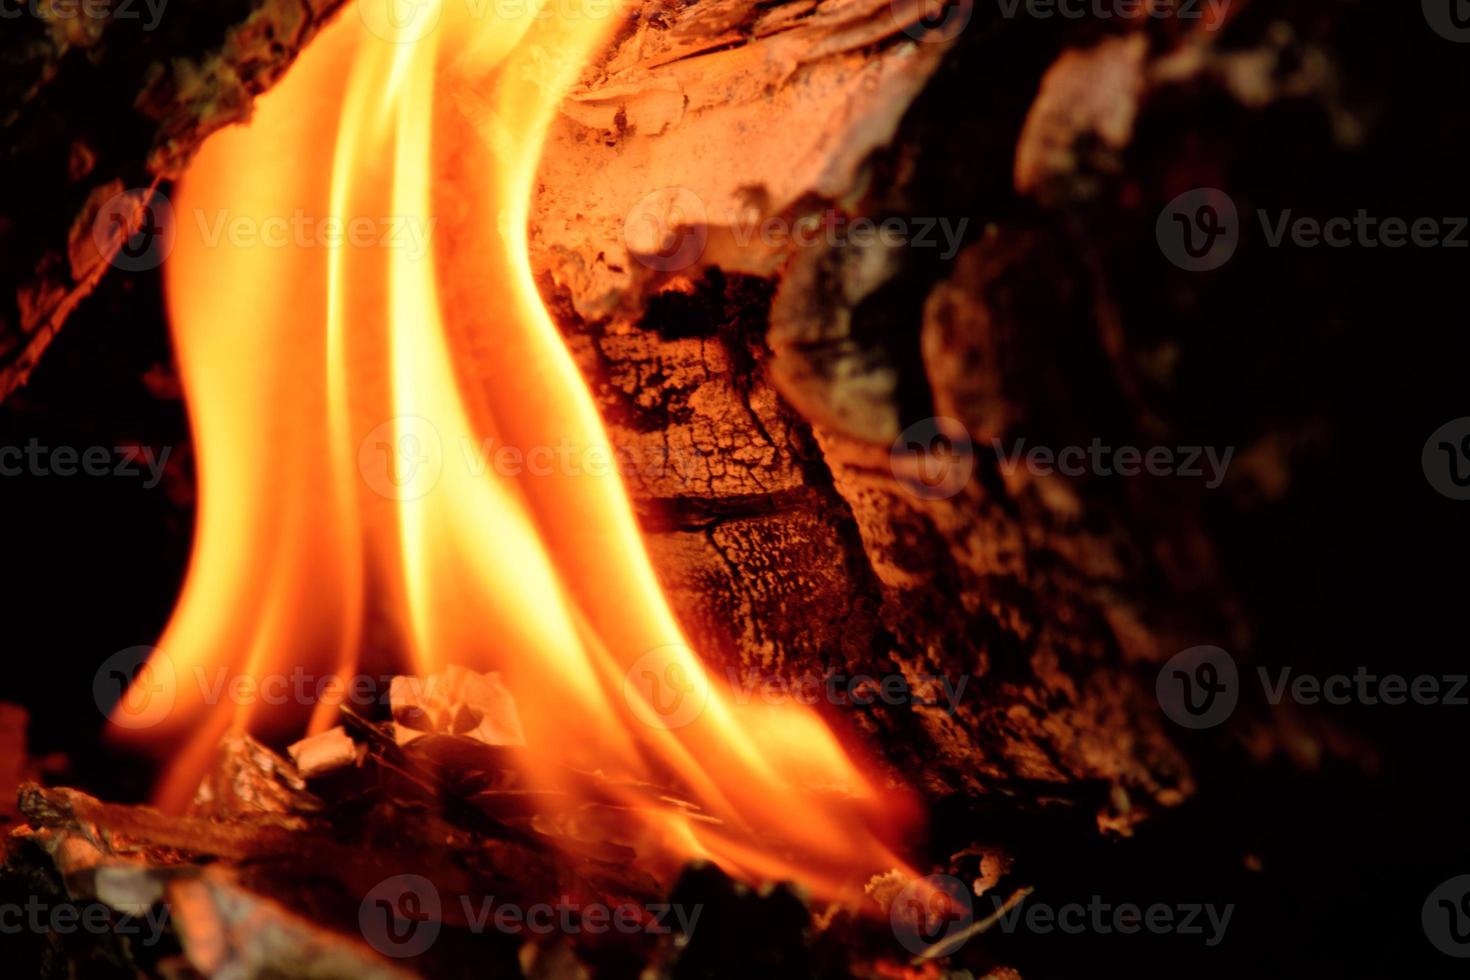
<point x="767" y="385"/>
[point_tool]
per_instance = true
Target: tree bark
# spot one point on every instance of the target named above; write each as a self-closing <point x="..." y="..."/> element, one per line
<point x="101" y="103"/>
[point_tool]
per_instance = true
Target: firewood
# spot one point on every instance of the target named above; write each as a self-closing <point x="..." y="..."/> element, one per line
<point x="761" y="393"/>
<point x="249" y="781"/>
<point x="322" y="753"/>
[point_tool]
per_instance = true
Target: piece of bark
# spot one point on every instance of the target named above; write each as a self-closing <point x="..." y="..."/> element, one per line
<point x="228" y="931"/>
<point x="323" y="752"/>
<point x="225" y="928"/>
<point x="96" y="111"/>
<point x="121" y="829"/>
<point x="458" y="701"/>
<point x="249" y="781"/>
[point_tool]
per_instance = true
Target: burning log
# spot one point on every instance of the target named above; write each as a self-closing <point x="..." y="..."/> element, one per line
<point x="759" y="388"/>
<point x="772" y="395"/>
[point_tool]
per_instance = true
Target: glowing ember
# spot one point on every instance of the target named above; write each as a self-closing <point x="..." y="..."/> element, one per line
<point x="336" y="379"/>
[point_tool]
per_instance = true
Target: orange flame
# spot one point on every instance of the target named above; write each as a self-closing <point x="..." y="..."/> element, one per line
<point x="355" y="316"/>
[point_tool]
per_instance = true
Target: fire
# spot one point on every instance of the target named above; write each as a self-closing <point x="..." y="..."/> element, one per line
<point x="343" y="366"/>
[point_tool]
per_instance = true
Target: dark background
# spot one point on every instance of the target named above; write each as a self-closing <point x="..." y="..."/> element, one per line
<point x="94" y="562"/>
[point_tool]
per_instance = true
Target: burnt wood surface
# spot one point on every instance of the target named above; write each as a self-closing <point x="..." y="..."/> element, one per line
<point x="759" y="399"/>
